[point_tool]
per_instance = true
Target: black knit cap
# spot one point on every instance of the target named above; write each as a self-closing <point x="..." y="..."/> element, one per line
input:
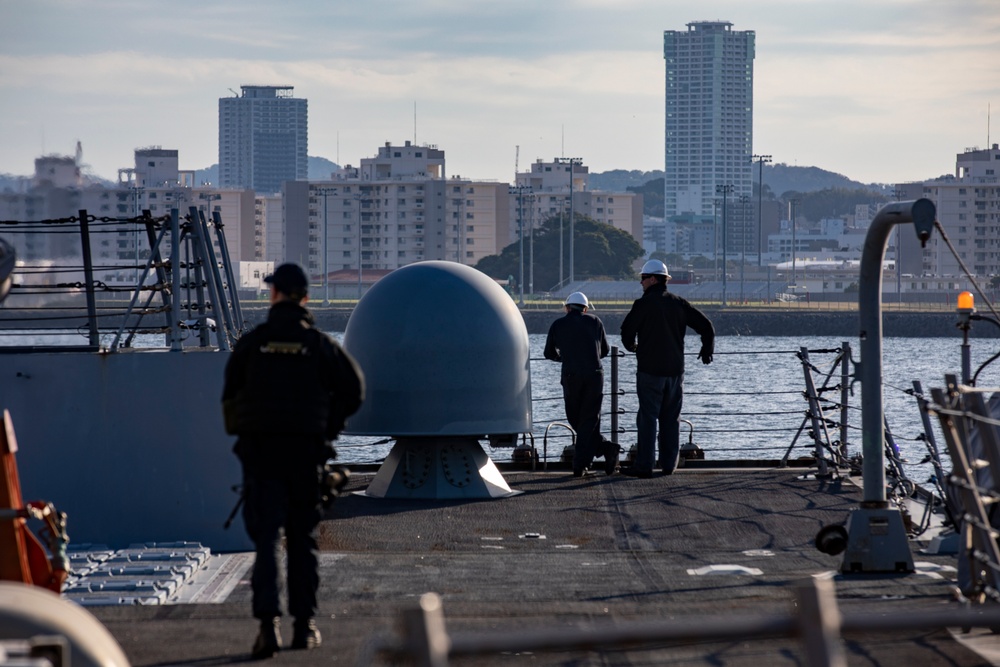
<point x="289" y="279"/>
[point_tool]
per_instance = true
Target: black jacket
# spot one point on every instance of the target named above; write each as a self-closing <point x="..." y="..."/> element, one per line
<point x="659" y="320"/>
<point x="578" y="341"/>
<point x="287" y="378"/>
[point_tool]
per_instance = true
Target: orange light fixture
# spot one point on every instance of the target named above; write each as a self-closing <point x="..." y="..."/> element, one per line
<point x="966" y="302"/>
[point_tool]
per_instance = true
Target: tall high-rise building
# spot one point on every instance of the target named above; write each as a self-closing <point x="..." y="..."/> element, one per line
<point x="263" y="135"/>
<point x="709" y="117"/>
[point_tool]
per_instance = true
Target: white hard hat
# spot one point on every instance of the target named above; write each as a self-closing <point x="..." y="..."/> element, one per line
<point x="654" y="267"/>
<point x="577" y="299"/>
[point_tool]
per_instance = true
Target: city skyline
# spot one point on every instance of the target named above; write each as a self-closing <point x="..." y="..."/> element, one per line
<point x="880" y="91"/>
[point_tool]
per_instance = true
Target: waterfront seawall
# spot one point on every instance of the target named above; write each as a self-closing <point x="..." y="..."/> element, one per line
<point x="734" y="322"/>
<point x="738" y="321"/>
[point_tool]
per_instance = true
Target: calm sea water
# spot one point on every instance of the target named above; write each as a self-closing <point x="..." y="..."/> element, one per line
<point x="747" y="404"/>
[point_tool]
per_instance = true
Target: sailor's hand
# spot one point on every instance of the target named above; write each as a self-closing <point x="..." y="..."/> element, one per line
<point x="705" y="355"/>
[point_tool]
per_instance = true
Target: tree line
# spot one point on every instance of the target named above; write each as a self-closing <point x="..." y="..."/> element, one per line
<point x="602" y="252"/>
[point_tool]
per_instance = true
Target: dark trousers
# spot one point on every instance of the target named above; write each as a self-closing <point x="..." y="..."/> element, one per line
<point x="286" y="499"/>
<point x="660" y="400"/>
<point x="583" y="396"/>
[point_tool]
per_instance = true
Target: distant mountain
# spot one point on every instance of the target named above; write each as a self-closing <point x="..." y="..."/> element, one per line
<point x="652" y="197"/>
<point x="619" y="180"/>
<point x="320" y="168"/>
<point x="782" y="178"/>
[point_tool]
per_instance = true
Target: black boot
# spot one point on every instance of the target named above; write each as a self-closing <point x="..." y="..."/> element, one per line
<point x="306" y="634"/>
<point x="611" y="452"/>
<point x="268" y="640"/>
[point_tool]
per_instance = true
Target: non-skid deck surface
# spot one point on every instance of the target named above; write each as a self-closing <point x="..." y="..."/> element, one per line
<point x="592" y="553"/>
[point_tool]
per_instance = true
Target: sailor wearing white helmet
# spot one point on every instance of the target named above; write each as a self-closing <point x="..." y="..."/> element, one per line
<point x="577" y="340"/>
<point x="654" y="329"/>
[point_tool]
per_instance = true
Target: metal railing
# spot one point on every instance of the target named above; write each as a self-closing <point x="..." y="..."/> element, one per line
<point x="193" y="287"/>
<point x="973" y="440"/>
<point x="815" y="619"/>
<point x="815" y="424"/>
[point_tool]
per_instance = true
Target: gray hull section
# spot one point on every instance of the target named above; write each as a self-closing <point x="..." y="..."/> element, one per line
<point x="130" y="445"/>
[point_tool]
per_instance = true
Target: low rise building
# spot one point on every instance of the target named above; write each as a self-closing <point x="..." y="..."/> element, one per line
<point x="395" y="209"/>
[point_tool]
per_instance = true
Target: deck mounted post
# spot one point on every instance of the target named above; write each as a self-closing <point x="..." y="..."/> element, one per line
<point x="88" y="273"/>
<point x="877" y="539"/>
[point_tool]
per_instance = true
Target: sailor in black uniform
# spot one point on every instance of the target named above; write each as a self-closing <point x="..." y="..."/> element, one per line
<point x="288" y="390"/>
<point x="577" y="340"/>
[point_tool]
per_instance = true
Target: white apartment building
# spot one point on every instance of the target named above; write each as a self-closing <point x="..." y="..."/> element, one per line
<point x="117" y="249"/>
<point x="269" y="228"/>
<point x="553" y="188"/>
<point x="709" y="115"/>
<point x="396" y="209"/>
<point x="968" y="208"/>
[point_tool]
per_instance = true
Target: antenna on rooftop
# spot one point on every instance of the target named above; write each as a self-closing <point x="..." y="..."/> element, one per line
<point x="235" y="94"/>
<point x="517" y="157"/>
<point x="414" y="122"/>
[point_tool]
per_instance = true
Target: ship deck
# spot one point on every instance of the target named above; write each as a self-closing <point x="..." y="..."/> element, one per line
<point x="596" y="553"/>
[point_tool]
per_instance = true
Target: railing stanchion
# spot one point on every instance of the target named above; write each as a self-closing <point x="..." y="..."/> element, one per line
<point x="845" y="393"/>
<point x="614" y="393"/>
<point x="88" y="273"/>
<point x="815" y="415"/>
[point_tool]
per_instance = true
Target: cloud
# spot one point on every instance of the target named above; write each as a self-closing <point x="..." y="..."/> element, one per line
<point x="489" y="75"/>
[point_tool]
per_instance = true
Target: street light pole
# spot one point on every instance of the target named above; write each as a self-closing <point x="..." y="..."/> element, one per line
<point x="520" y="247"/>
<point x="572" y="162"/>
<point x="791" y="214"/>
<point x="715" y="238"/>
<point x="519" y="191"/>
<point x="326" y="250"/>
<point x="744" y="199"/>
<point x="326" y="192"/>
<point x="531" y="242"/>
<point x="897" y="193"/>
<point x="761" y="159"/>
<point x="724" y="190"/>
<point x="357" y="198"/>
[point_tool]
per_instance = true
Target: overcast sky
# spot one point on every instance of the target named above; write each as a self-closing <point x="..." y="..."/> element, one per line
<point x="878" y="90"/>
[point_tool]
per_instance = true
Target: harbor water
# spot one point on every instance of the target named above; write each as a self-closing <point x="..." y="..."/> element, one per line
<point x="748" y="404"/>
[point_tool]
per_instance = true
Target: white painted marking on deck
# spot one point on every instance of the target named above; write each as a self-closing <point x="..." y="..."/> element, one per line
<point x="758" y="552"/>
<point x="726" y="569"/>
<point x="933" y="570"/>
